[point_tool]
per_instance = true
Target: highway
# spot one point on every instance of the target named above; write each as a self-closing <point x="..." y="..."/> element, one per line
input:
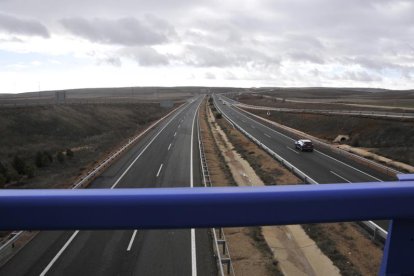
<point x="167" y="156"/>
<point x="362" y="113"/>
<point x="322" y="166"/>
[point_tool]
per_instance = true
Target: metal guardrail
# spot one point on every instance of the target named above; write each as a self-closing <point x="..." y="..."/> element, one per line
<point x="283" y="161"/>
<point x="223" y="256"/>
<point x="377" y="232"/>
<point x="351" y="155"/>
<point x="105" y="163"/>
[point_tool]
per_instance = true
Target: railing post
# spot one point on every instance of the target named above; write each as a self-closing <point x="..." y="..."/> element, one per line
<point x="399" y="247"/>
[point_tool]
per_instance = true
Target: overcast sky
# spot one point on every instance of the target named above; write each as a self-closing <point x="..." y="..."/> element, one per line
<point x="51" y="44"/>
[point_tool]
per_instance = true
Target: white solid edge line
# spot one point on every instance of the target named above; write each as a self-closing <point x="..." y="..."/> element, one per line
<point x="373" y="223"/>
<point x="192" y="232"/>
<point x="47" y="268"/>
<point x="132" y="240"/>
<point x="159" y="170"/>
<point x="268" y="148"/>
<point x="193" y="253"/>
<point x="367" y="174"/>
<point x="113" y="186"/>
<point x="341" y="177"/>
<point x="343" y="163"/>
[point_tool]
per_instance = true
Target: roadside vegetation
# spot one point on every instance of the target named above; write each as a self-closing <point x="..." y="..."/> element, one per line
<point x="50" y="146"/>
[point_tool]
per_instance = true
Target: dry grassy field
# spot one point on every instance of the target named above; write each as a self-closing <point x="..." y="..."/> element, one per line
<point x="40" y="136"/>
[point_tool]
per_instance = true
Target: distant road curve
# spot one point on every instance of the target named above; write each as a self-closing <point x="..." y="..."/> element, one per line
<point x="366" y="113"/>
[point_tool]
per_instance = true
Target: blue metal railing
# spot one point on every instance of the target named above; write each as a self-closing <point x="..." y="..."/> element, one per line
<point x="222" y="207"/>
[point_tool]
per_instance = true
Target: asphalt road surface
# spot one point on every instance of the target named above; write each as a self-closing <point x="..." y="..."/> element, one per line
<point x="168" y="156"/>
<point x="321" y="165"/>
<point x="375" y="114"/>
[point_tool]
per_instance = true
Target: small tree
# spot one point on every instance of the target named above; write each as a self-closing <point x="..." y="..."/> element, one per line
<point x="39" y="159"/>
<point x="60" y="157"/>
<point x="43" y="159"/>
<point x="4" y="175"/>
<point x="3" y="180"/>
<point x="48" y="156"/>
<point x="69" y="153"/>
<point x="29" y="171"/>
<point x="19" y="165"/>
<point x="3" y="169"/>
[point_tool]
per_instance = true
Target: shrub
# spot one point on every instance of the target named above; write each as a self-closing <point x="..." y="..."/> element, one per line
<point x="3" y="169"/>
<point x="39" y="159"/>
<point x="219" y="116"/>
<point x="49" y="156"/>
<point x="43" y="159"/>
<point x="60" y="157"/>
<point x="29" y="171"/>
<point x="19" y="165"/>
<point x="69" y="153"/>
<point x="3" y="180"/>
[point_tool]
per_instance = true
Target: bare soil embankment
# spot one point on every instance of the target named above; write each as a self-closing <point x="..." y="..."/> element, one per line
<point x="391" y="138"/>
<point x="39" y="136"/>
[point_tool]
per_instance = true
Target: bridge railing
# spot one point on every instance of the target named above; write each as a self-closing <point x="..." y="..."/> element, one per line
<point x="222" y="207"/>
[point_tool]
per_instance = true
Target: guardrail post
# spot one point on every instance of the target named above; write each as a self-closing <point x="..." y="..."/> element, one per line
<point x="223" y="243"/>
<point x="399" y="247"/>
<point x="227" y="262"/>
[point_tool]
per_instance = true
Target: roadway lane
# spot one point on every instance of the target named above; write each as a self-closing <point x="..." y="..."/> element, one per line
<point x="161" y="159"/>
<point x="320" y="165"/>
<point x="363" y="113"/>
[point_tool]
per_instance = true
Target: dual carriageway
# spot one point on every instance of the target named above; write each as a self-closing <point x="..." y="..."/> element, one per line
<point x="168" y="156"/>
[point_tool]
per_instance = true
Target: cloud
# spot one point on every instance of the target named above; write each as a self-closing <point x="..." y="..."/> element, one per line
<point x="360" y="76"/>
<point x="128" y="31"/>
<point x="145" y="56"/>
<point x="210" y="76"/>
<point x="18" y="26"/>
<point x="284" y="42"/>
<point x="306" y="57"/>
<point x="111" y="60"/>
<point x="201" y="56"/>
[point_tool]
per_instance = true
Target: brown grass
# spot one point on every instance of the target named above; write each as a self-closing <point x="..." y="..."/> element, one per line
<point x="91" y="130"/>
